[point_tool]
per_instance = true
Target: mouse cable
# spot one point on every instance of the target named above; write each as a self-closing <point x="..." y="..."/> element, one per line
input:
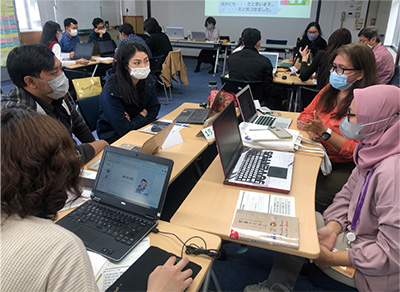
<point x="193" y="248"/>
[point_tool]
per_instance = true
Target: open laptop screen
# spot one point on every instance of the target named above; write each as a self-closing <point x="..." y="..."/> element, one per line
<point x="119" y="172"/>
<point x="246" y="103"/>
<point x="273" y="57"/>
<point x="105" y="47"/>
<point x="227" y="135"/>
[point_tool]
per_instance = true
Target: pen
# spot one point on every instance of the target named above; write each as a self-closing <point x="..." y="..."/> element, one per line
<point x="182" y="125"/>
<point x="258" y="129"/>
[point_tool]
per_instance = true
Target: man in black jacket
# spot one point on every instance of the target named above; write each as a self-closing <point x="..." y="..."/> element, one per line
<point x="41" y="86"/>
<point x="249" y="65"/>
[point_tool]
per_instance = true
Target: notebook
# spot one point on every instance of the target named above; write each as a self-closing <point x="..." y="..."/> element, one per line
<point x="83" y="50"/>
<point x="126" y="203"/>
<point x="106" y="48"/>
<point x="261" y="169"/>
<point x="175" y="33"/>
<point x="249" y="112"/>
<point x="198" y="36"/>
<point x="198" y="115"/>
<point x="135" y="278"/>
<point x="273" y="57"/>
<point x="151" y="146"/>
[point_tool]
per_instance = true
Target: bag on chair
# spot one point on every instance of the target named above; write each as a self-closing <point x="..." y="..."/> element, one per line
<point x="86" y="87"/>
<point x="224" y="99"/>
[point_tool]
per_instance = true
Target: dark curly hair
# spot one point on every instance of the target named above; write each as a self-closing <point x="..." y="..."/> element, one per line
<point x="39" y="164"/>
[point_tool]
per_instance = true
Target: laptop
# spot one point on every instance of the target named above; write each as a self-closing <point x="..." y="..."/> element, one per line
<point x="175" y="33"/>
<point x="198" y="36"/>
<point x="273" y="57"/>
<point x="247" y="167"/>
<point x="249" y="112"/>
<point x="83" y="50"/>
<point x="126" y="203"/>
<point x="135" y="278"/>
<point x="106" y="48"/>
<point x="198" y="115"/>
<point x="151" y="146"/>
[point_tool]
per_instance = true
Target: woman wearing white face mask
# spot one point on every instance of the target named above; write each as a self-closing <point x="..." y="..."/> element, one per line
<point x="353" y="66"/>
<point x="51" y="35"/>
<point x="128" y="100"/>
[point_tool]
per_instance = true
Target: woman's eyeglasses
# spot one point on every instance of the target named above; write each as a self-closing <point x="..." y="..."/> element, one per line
<point x="349" y="114"/>
<point x="340" y="71"/>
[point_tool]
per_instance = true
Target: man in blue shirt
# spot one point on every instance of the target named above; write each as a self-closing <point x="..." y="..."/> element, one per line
<point x="127" y="35"/>
<point x="99" y="33"/>
<point x="70" y="37"/>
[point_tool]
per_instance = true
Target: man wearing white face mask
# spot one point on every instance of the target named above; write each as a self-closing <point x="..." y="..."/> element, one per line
<point x="70" y="37"/>
<point x="41" y="86"/>
<point x="99" y="32"/>
<point x="128" y="100"/>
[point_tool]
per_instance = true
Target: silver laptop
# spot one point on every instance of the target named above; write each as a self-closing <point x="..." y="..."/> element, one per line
<point x="175" y="33"/>
<point x="273" y="57"/>
<point x="127" y="200"/>
<point x="198" y="36"/>
<point x="249" y="112"/>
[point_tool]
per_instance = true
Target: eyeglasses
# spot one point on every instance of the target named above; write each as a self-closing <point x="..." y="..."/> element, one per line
<point x="349" y="114"/>
<point x="340" y="71"/>
<point x="312" y="31"/>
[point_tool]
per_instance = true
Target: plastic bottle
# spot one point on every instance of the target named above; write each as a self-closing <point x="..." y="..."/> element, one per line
<point x="212" y="85"/>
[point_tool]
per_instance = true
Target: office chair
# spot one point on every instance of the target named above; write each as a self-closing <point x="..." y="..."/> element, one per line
<point x="174" y="68"/>
<point x="304" y="97"/>
<point x="155" y="69"/>
<point x="89" y="108"/>
<point x="235" y="86"/>
<point x="277" y="42"/>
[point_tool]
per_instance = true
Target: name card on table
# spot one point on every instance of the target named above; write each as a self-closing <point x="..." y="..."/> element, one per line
<point x="208" y="133"/>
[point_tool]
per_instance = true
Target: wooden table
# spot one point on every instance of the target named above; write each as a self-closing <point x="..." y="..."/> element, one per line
<point x="210" y="206"/>
<point x="91" y="62"/>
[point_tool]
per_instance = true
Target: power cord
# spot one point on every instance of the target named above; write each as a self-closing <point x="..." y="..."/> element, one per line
<point x="193" y="248"/>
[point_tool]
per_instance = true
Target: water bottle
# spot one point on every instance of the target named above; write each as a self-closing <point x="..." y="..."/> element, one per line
<point x="212" y="85"/>
<point x="189" y="35"/>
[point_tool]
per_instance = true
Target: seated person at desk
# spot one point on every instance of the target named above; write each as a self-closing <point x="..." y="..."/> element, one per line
<point x="158" y="42"/>
<point x="312" y="38"/>
<point x="249" y="65"/>
<point x="127" y="35"/>
<point x="41" y="86"/>
<point x="36" y="254"/>
<point x="69" y="37"/>
<point x="99" y="33"/>
<point x="353" y="66"/>
<point x="320" y="63"/>
<point x="128" y="100"/>
<point x="51" y="35"/>
<point x="384" y="59"/>
<point x="208" y="55"/>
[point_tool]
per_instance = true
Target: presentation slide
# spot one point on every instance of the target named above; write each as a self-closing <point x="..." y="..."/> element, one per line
<point x="259" y="8"/>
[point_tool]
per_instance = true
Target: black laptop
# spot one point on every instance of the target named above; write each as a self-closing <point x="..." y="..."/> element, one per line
<point x="127" y="200"/>
<point x="248" y="167"/>
<point x="83" y="50"/>
<point x="106" y="48"/>
<point x="135" y="278"/>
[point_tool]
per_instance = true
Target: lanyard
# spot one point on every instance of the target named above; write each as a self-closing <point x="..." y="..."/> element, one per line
<point x="361" y="202"/>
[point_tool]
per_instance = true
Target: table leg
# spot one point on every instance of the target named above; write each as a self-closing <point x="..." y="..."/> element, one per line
<point x="225" y="57"/>
<point x="216" y="61"/>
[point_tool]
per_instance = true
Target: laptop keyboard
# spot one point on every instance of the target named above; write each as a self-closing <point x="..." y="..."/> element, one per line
<point x="254" y="167"/>
<point x="265" y="120"/>
<point x="197" y="115"/>
<point x="124" y="228"/>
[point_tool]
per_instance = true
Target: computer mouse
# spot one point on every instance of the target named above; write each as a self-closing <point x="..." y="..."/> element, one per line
<point x="156" y="128"/>
<point x="284" y="77"/>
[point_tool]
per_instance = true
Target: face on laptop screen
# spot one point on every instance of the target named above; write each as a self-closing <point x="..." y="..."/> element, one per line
<point x="273" y="58"/>
<point x="246" y="104"/>
<point x="228" y="136"/>
<point x="135" y="180"/>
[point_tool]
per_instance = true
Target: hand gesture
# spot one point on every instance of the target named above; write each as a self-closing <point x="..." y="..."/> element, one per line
<point x="82" y="61"/>
<point x="316" y="126"/>
<point x="170" y="277"/>
<point x="144" y="112"/>
<point x="327" y="237"/>
<point x="304" y="53"/>
<point x="72" y="54"/>
<point x="127" y="116"/>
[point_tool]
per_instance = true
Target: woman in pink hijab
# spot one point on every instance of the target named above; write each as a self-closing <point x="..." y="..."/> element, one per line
<point x="363" y="222"/>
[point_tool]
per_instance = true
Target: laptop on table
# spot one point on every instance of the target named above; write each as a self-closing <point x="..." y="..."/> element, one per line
<point x="127" y="200"/>
<point x="273" y="57"/>
<point x="256" y="168"/>
<point x="198" y="36"/>
<point x="106" y="48"/>
<point x="249" y="112"/>
<point x="198" y="115"/>
<point x="83" y="50"/>
<point x="175" y="33"/>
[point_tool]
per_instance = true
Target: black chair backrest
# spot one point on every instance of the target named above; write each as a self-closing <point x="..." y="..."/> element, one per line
<point x="156" y="64"/>
<point x="396" y="77"/>
<point x="276" y="42"/>
<point x="89" y="107"/>
<point x="75" y="73"/>
<point x="235" y="86"/>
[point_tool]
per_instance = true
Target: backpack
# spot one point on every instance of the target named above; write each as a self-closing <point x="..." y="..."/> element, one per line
<point x="224" y="99"/>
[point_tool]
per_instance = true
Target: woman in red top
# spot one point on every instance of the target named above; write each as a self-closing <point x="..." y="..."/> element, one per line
<point x="352" y="67"/>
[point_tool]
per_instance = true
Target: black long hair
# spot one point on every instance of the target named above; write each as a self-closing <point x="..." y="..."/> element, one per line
<point x="151" y="26"/>
<point x="310" y="25"/>
<point x="122" y="78"/>
<point x="49" y="33"/>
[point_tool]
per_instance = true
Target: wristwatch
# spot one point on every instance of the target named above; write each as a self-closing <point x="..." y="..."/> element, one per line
<point x="326" y="135"/>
